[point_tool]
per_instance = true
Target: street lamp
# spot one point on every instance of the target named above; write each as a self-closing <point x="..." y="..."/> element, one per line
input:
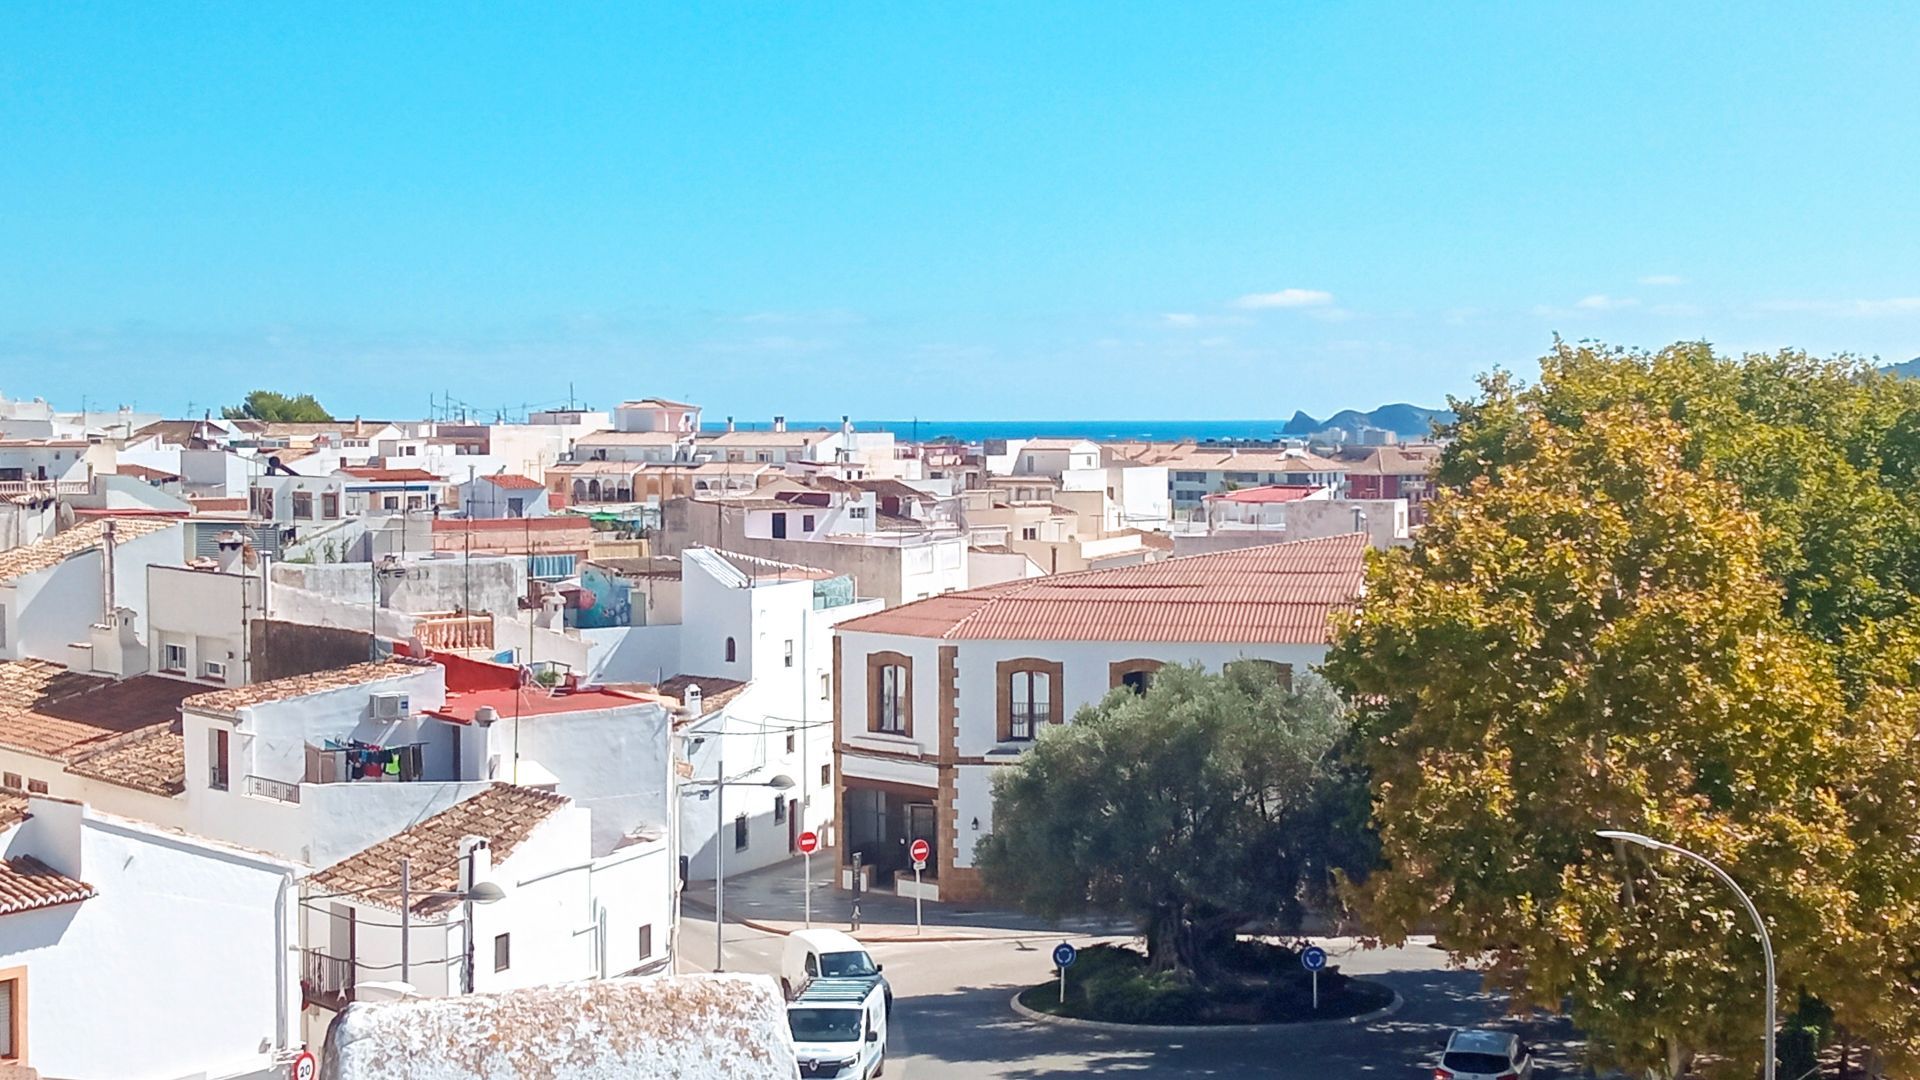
<point x="1766" y="942"/>
<point x="719" y="785"/>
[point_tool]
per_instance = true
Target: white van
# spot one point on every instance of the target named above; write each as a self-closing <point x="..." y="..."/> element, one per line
<point x="827" y="954"/>
<point x="839" y="1029"/>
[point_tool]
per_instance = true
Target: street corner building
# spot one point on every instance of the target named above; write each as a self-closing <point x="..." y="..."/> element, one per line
<point x="931" y="697"/>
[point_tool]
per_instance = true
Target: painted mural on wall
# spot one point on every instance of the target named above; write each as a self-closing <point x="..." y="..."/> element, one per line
<point x="605" y="600"/>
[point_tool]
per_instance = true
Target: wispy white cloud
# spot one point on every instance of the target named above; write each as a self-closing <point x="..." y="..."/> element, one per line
<point x="1893" y="305"/>
<point x="1603" y="302"/>
<point x="1663" y="279"/>
<point x="1285" y="298"/>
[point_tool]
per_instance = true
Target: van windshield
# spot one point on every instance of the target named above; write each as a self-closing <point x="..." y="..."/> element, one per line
<point x="846" y="965"/>
<point x="824" y="1025"/>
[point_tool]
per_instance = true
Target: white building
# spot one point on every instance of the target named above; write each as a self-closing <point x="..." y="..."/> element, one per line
<point x="932" y="697"/>
<point x="501" y="495"/>
<point x="132" y="951"/>
<point x="1196" y="472"/>
<point x="656" y="414"/>
<point x="53" y="592"/>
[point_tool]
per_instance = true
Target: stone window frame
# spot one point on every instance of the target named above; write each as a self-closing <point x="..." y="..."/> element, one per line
<point x="877" y="662"/>
<point x="1003" y="673"/>
<point x="1118" y="671"/>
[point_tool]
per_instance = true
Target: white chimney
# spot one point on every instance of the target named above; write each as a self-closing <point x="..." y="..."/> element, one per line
<point x="231" y="546"/>
<point x="690" y="700"/>
<point x="476" y="861"/>
<point x="117" y="649"/>
<point x="485" y="714"/>
<point x="779" y="423"/>
<point x="729" y="424"/>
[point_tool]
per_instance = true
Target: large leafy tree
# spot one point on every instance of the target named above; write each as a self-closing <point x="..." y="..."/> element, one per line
<point x="1208" y="802"/>
<point x="278" y="408"/>
<point x="1665" y="592"/>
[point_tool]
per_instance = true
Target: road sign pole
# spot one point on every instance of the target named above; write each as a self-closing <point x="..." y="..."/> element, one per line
<point x="1063" y="986"/>
<point x="917" y="864"/>
<point x="1316" y="991"/>
<point x="807" y="905"/>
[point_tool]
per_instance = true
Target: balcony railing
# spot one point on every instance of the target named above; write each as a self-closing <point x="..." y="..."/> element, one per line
<point x="45" y="487"/>
<point x="263" y="787"/>
<point x="326" y="980"/>
<point x="455" y="631"/>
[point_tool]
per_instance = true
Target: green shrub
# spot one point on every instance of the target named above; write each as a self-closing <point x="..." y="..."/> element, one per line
<point x="1799" y="1050"/>
<point x="1144" y="998"/>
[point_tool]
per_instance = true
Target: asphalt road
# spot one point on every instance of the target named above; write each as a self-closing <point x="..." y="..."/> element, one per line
<point x="952" y="1020"/>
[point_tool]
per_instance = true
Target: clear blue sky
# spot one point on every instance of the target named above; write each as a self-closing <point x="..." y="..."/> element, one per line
<point x="957" y="211"/>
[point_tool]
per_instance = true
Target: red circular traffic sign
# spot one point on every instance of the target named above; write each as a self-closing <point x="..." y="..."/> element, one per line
<point x="920" y="850"/>
<point x="304" y="1066"/>
<point x="809" y="843"/>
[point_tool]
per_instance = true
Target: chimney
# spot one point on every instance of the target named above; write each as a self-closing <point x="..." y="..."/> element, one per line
<point x="690" y="699"/>
<point x="729" y="425"/>
<point x="485" y="714"/>
<point x="107" y="544"/>
<point x="779" y="423"/>
<point x="232" y="545"/>
<point x="846" y="425"/>
<point x="476" y="861"/>
<point x="116" y="647"/>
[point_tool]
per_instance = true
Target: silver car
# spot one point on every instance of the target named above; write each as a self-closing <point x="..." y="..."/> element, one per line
<point x="1479" y="1054"/>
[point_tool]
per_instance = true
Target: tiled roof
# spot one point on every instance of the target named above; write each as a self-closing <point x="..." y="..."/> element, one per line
<point x="596" y="468"/>
<point x="87" y="536"/>
<point x="153" y="760"/>
<point x="715" y="692"/>
<point x="513" y="481"/>
<point x="141" y="472"/>
<point x="27" y="884"/>
<point x="235" y="698"/>
<point x="13" y="809"/>
<point x="47" y="710"/>
<point x="219" y="504"/>
<point x="1398" y="461"/>
<point x="1057" y="444"/>
<point x="1279" y="594"/>
<point x="405" y="476"/>
<point x="657" y="403"/>
<point x="764" y="438"/>
<point x="1271" y="493"/>
<point x="632" y="438"/>
<point x="503" y="814"/>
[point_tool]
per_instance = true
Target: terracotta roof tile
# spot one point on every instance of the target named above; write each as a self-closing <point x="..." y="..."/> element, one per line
<point x="1270" y="493"/>
<point x="153" y="760"/>
<point x="1272" y="594"/>
<point x="27" y="884"/>
<point x="46" y="709"/>
<point x="503" y="814"/>
<point x="513" y="481"/>
<point x="235" y="698"/>
<point x="632" y="438"/>
<point x="13" y="809"/>
<point x="405" y="476"/>
<point x="87" y="536"/>
<point x="715" y="692"/>
<point x="141" y="472"/>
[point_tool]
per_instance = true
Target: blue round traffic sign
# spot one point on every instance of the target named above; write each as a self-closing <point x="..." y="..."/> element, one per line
<point x="1313" y="958"/>
<point x="1064" y="955"/>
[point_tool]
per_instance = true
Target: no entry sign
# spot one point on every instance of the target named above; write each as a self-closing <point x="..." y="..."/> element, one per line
<point x="920" y="849"/>
<point x="809" y="843"/>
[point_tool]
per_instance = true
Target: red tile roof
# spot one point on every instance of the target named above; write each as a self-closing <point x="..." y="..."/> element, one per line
<point x="513" y="481"/>
<point x="360" y="472"/>
<point x="141" y="472"/>
<point x="27" y="884"/>
<point x="1279" y="594"/>
<point x="504" y="815"/>
<point x="47" y="710"/>
<point x="231" y="700"/>
<point x="86" y="536"/>
<point x="1271" y="493"/>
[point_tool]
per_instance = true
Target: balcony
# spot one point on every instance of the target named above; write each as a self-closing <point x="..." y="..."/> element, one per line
<point x="326" y="981"/>
<point x="265" y="787"/>
<point x="452" y="633"/>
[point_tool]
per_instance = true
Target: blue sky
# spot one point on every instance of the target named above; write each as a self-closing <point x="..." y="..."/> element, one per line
<point x="960" y="211"/>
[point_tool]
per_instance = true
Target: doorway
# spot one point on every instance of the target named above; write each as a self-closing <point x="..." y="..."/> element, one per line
<point x="793" y="826"/>
<point x="920" y="826"/>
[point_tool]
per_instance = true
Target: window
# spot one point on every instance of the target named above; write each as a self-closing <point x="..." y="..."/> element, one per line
<point x="646" y="941"/>
<point x="826" y="685"/>
<point x="11" y="781"/>
<point x="806" y="523"/>
<point x="416" y="502"/>
<point x="789" y="742"/>
<point x="1030" y="532"/>
<point x="1135" y="675"/>
<point x="213" y="669"/>
<point x="779" y="809"/>
<point x="173" y="658"/>
<point x="889" y="693"/>
<point x="303" y="505"/>
<point x="857" y="513"/>
<point x="1029" y="696"/>
<point x="733" y="652"/>
<point x="217" y="759"/>
<point x="409" y="451"/>
<point x="37" y="787"/>
<point x="3" y="626"/>
<point x="789" y="652"/>
<point x="740" y="833"/>
<point x="502" y="951"/>
<point x="261" y="503"/>
<point x="390" y="502"/>
<point x="329" y="504"/>
<point x="826" y="775"/>
<point x="13" y="1003"/>
<point x="1137" y="681"/>
<point x="779" y="526"/>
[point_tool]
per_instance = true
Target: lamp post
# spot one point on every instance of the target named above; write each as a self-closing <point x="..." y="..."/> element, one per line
<point x="1766" y="942"/>
<point x="719" y="785"/>
<point x="482" y="892"/>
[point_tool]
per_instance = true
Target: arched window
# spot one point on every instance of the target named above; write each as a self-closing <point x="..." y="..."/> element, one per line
<point x="579" y="491"/>
<point x="1135" y="675"/>
<point x="1029" y="694"/>
<point x="593" y="490"/>
<point x="733" y="651"/>
<point x="890" y="693"/>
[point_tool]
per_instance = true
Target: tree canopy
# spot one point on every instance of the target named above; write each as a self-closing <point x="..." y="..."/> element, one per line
<point x="1671" y="593"/>
<point x="1210" y="801"/>
<point x="278" y="408"/>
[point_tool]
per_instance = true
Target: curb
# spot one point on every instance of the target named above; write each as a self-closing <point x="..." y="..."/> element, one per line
<point x="1203" y="1029"/>
<point x="868" y="938"/>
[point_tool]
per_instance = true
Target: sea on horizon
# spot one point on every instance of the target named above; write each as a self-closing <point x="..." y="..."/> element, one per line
<point x="973" y="431"/>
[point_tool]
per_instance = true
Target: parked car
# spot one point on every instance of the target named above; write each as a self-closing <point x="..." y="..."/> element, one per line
<point x="1479" y="1054"/>
<point x="839" y="1029"/>
<point x="827" y="954"/>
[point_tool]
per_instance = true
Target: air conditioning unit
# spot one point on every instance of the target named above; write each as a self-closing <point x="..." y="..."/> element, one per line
<point x="391" y="706"/>
<point x="215" y="669"/>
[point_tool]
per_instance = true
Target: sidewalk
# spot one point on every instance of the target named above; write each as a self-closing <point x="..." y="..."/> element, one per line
<point x="771" y="900"/>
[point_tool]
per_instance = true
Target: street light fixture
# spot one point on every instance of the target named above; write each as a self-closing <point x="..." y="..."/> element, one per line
<point x="1766" y="942"/>
<point x="782" y="782"/>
